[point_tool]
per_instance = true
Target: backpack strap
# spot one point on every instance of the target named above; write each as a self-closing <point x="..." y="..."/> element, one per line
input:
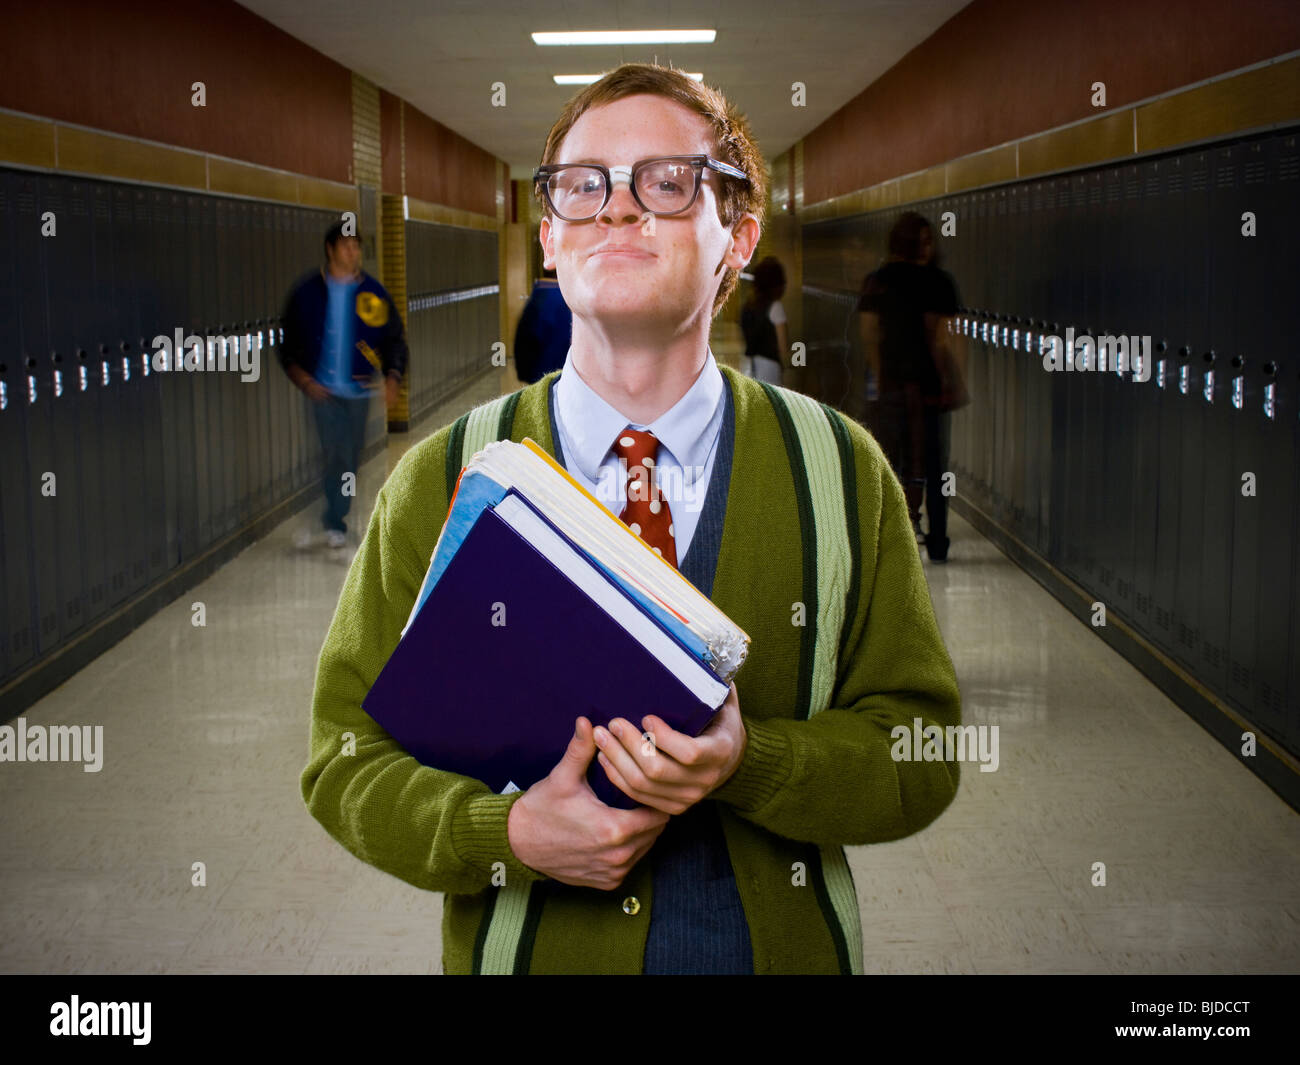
<point x="825" y="483"/>
<point x="509" y="923"/>
<point x="474" y="430"/>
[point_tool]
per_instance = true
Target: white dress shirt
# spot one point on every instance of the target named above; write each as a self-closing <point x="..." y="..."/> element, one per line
<point x="688" y="436"/>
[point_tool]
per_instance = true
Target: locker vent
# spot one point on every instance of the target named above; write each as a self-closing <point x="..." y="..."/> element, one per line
<point x="1240" y="675"/>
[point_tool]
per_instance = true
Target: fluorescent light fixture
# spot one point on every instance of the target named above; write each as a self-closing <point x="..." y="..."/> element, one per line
<point x="627" y="37"/>
<point x="587" y="79"/>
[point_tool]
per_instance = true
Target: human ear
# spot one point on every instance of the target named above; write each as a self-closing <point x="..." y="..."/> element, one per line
<point x="546" y="236"/>
<point x="744" y="239"/>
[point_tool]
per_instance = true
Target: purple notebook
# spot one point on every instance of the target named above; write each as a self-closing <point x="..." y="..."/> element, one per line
<point x="503" y="657"/>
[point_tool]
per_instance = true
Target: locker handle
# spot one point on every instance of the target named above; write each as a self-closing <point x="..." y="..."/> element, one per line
<point x="1209" y="356"/>
<point x="1238" y="362"/>
<point x="1270" y="368"/>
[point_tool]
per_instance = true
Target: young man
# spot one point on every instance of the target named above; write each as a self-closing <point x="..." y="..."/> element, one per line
<point x="340" y="328"/>
<point x="787" y="516"/>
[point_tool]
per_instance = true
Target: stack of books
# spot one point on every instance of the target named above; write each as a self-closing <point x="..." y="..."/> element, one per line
<point x="539" y="607"/>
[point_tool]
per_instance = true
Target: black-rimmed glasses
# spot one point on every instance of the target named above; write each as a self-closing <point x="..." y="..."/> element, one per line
<point x="578" y="192"/>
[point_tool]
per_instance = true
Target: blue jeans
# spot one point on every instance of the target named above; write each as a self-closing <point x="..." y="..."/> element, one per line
<point x="342" y="426"/>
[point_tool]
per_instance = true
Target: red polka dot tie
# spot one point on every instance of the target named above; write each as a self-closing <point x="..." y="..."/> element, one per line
<point x="646" y="513"/>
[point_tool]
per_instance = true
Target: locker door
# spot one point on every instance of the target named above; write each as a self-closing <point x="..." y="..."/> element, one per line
<point x="1073" y="385"/>
<point x="241" y="447"/>
<point x="1221" y="486"/>
<point x="1197" y="294"/>
<point x="282" y="395"/>
<point x="73" y="312"/>
<point x="1018" y="218"/>
<point x="260" y="390"/>
<point x="1166" y="179"/>
<point x="1117" y="316"/>
<point x="1141" y="199"/>
<point x="1057" y="318"/>
<point x="222" y="430"/>
<point x="108" y="433"/>
<point x="178" y="386"/>
<point x="149" y="281"/>
<point x="18" y="487"/>
<point x="998" y="383"/>
<point x="308" y="470"/>
<point x="1096" y="261"/>
<point x="33" y="349"/>
<point x="200" y="240"/>
<point x="1051" y="428"/>
<point x="983" y="449"/>
<point x="1040" y="429"/>
<point x="122" y="290"/>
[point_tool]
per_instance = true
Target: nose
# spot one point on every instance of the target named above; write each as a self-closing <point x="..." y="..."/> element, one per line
<point x="621" y="201"/>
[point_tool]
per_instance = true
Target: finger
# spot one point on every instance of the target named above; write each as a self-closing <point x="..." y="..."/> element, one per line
<point x="654" y="798"/>
<point x="581" y="749"/>
<point x="643" y="749"/>
<point x="635" y="769"/>
<point x="683" y="749"/>
<point x="654" y="802"/>
<point x="619" y="781"/>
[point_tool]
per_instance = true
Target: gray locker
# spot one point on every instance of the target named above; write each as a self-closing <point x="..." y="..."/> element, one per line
<point x="200" y="241"/>
<point x="1176" y="399"/>
<point x="179" y="412"/>
<point x="17" y="484"/>
<point x="122" y="291"/>
<point x="149" y="285"/>
<point x="74" y="313"/>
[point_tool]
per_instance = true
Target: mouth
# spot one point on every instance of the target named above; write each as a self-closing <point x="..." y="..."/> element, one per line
<point x="622" y="250"/>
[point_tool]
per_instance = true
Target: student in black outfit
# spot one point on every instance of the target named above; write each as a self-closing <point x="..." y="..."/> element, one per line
<point x="903" y="312"/>
<point x="947" y="358"/>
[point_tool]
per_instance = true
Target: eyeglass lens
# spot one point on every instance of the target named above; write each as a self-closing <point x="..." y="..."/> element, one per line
<point x="663" y="187"/>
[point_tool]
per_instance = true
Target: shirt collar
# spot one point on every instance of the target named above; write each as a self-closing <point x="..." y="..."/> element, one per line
<point x="688" y="429"/>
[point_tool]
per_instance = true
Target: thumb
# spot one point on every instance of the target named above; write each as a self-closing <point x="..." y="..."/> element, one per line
<point x="581" y="750"/>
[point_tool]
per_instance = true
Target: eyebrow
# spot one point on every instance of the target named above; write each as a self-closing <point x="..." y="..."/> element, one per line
<point x="660" y="155"/>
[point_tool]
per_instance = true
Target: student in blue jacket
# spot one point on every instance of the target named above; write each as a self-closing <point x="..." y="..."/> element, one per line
<point x="340" y="329"/>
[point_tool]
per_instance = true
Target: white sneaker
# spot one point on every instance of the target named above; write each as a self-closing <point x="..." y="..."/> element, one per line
<point x="336" y="539"/>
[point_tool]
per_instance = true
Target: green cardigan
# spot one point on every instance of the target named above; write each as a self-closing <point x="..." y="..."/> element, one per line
<point x="816" y="530"/>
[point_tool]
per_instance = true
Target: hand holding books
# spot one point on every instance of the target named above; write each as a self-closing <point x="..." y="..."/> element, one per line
<point x="559" y="827"/>
<point x="667" y="770"/>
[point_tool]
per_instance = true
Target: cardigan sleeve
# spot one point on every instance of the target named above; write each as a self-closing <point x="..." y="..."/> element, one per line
<point x="832" y="779"/>
<point x="437" y="830"/>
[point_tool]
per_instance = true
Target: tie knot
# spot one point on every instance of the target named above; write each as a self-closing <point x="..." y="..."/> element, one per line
<point x="635" y="447"/>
